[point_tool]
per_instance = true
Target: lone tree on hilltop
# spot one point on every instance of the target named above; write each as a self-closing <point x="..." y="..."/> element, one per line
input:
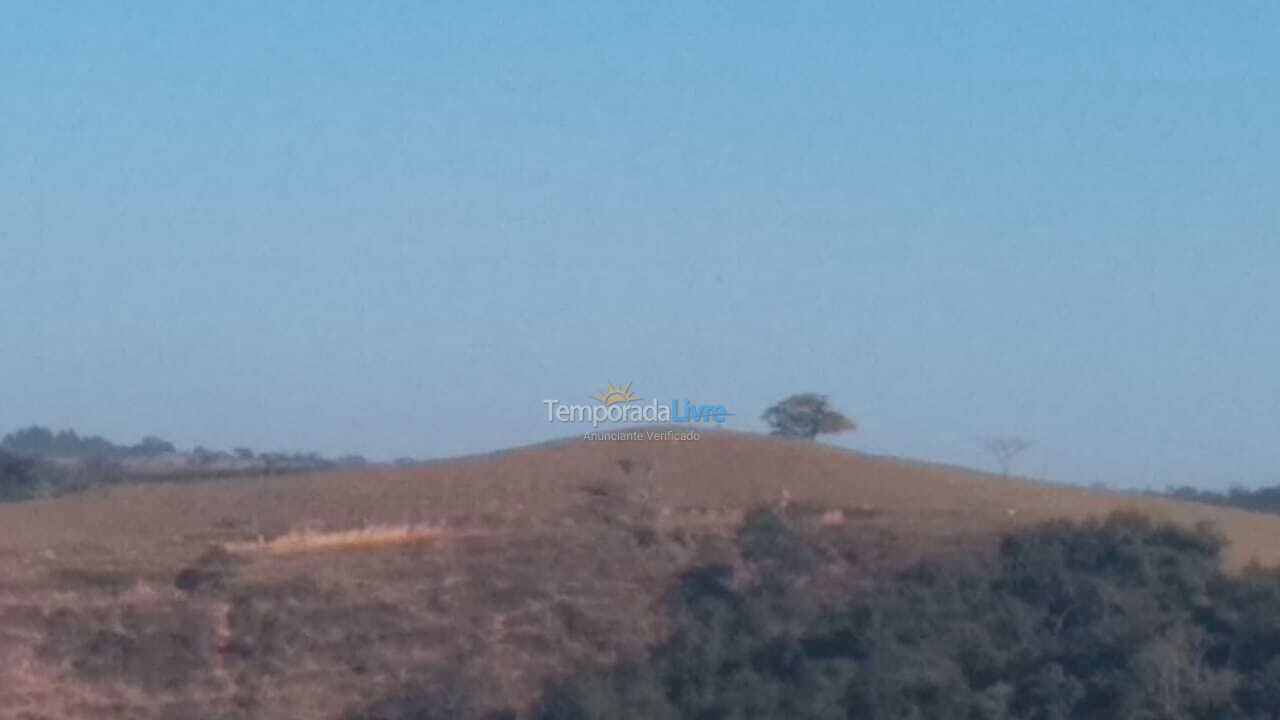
<point x="1004" y="448"/>
<point x="806" y="415"/>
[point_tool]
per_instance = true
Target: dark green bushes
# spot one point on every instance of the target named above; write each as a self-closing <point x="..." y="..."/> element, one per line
<point x="1118" y="619"/>
<point x="18" y="480"/>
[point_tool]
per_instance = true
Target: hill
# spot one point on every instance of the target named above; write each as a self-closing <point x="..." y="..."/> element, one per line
<point x="309" y="595"/>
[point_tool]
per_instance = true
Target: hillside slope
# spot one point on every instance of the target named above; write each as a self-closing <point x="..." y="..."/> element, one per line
<point x="509" y="569"/>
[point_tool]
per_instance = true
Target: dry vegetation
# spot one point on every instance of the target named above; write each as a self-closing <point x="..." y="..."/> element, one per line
<point x="374" y="537"/>
<point x="126" y="602"/>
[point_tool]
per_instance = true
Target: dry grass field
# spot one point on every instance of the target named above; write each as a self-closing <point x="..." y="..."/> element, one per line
<point x="314" y="596"/>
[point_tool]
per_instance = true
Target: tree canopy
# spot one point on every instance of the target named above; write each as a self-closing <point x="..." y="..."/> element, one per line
<point x="806" y="415"/>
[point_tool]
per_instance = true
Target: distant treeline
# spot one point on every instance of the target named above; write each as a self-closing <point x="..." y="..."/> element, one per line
<point x="38" y="462"/>
<point x="1265" y="499"/>
<point x="41" y="442"/>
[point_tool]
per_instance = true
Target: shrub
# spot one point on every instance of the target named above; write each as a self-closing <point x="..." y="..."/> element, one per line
<point x="1113" y="619"/>
<point x="18" y="480"/>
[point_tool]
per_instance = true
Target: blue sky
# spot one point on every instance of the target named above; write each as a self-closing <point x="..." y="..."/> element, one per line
<point x="395" y="228"/>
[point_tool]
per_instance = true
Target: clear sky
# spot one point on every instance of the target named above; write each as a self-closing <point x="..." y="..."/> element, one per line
<point x="395" y="228"/>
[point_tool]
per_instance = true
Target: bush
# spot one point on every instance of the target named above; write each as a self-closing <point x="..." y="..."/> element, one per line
<point x="18" y="480"/>
<point x="1116" y="619"/>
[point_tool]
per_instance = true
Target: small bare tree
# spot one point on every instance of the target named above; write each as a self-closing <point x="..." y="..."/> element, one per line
<point x="806" y="415"/>
<point x="1005" y="448"/>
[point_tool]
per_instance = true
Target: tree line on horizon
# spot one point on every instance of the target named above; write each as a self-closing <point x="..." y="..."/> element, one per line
<point x="1264" y="499"/>
<point x="38" y="462"/>
<point x="36" y="441"/>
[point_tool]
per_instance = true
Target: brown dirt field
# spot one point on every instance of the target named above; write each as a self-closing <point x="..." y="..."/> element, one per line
<point x="121" y="602"/>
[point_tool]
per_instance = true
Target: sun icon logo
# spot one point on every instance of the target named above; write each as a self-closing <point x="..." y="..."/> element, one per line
<point x="617" y="395"/>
